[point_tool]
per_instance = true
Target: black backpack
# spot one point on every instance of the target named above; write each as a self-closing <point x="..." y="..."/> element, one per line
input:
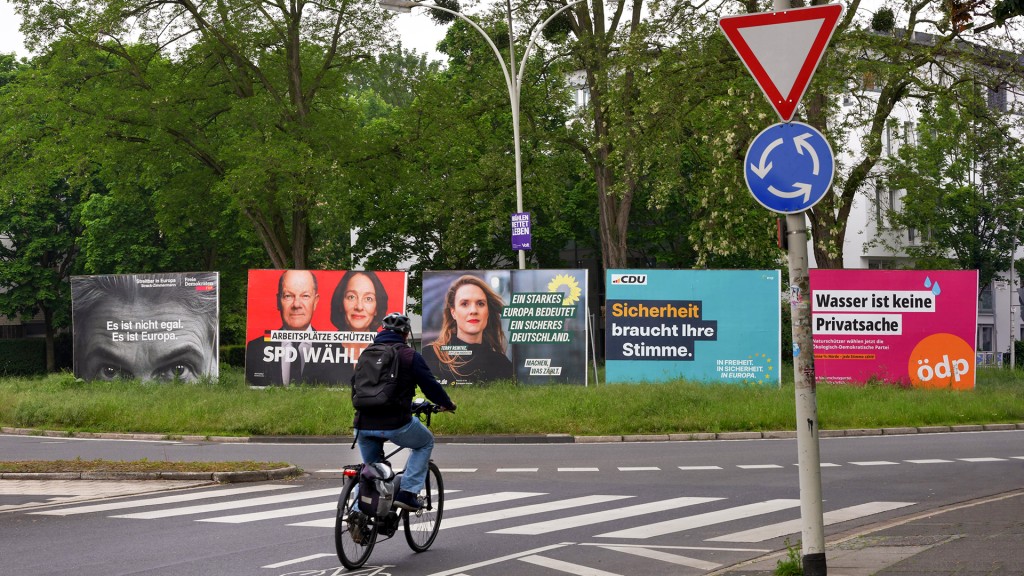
<point x="375" y="381"/>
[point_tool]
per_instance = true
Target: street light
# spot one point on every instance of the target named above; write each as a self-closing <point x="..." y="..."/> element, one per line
<point x="513" y="79"/>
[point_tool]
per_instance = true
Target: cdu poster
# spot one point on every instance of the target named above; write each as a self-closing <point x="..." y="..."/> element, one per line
<point x="159" y="327"/>
<point x="309" y="326"/>
<point x="703" y="325"/>
<point x="915" y="327"/>
<point x="524" y="325"/>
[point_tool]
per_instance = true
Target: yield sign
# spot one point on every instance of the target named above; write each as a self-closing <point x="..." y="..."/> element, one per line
<point x="782" y="49"/>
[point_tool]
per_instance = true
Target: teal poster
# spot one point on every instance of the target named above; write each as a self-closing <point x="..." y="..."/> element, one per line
<point x="714" y="326"/>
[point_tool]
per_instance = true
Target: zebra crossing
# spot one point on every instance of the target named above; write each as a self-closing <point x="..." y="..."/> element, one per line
<point x="490" y="512"/>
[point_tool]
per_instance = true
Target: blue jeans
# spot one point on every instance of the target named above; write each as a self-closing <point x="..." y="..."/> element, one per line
<point x="414" y="436"/>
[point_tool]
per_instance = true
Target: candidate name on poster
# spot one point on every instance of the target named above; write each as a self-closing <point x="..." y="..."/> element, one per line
<point x="146" y="327"/>
<point x="657" y="329"/>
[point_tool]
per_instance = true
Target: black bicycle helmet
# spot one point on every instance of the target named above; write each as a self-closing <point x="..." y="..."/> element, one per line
<point x="397" y="322"/>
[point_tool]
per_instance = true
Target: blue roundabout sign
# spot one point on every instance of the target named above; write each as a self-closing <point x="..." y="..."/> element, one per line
<point x="789" y="167"/>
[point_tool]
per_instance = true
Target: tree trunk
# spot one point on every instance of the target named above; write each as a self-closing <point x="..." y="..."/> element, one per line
<point x="51" y="356"/>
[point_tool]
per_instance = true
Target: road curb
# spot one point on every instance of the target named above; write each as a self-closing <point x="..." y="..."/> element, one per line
<point x="221" y="477"/>
<point x="530" y="438"/>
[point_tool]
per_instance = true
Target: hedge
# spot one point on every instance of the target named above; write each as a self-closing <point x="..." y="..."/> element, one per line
<point x="22" y="357"/>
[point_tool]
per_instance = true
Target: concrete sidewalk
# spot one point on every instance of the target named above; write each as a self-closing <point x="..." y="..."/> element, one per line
<point x="975" y="538"/>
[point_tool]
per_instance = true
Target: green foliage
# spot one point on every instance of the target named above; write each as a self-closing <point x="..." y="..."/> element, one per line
<point x="233" y="355"/>
<point x="964" y="185"/>
<point x="22" y="357"/>
<point x="442" y="17"/>
<point x="229" y="407"/>
<point x="792" y="564"/>
<point x="884" y="20"/>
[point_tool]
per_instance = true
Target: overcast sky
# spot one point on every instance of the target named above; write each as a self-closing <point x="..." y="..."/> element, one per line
<point x="417" y="31"/>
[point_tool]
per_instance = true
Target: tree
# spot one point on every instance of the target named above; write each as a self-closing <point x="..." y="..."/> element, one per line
<point x="440" y="186"/>
<point x="39" y="212"/>
<point x="964" y="184"/>
<point x="252" y="92"/>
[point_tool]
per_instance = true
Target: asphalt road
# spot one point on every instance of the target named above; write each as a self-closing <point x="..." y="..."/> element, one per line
<point x="594" y="509"/>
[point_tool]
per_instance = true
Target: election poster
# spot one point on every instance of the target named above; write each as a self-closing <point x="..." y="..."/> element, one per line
<point x="715" y="326"/>
<point x="149" y="327"/>
<point x="524" y="325"/>
<point x="911" y="327"/>
<point x="309" y="326"/>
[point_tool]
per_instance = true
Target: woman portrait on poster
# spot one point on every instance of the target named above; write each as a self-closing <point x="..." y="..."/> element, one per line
<point x="471" y="345"/>
<point x="359" y="302"/>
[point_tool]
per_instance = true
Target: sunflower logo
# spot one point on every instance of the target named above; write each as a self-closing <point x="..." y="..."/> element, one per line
<point x="572" y="288"/>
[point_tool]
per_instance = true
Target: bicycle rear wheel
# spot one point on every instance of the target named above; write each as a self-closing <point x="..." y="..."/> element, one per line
<point x="355" y="533"/>
<point x="421" y="526"/>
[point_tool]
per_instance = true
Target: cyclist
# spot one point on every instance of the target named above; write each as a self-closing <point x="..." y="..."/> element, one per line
<point x="398" y="425"/>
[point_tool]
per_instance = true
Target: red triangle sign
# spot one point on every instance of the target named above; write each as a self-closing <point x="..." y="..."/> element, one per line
<point x="782" y="49"/>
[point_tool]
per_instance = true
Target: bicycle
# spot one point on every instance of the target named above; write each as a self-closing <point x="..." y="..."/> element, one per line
<point x="356" y="533"/>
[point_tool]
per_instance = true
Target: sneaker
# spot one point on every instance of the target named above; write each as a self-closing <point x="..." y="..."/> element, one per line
<point x="357" y="526"/>
<point x="408" y="501"/>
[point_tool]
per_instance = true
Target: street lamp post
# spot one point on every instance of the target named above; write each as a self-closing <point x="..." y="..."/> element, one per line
<point x="513" y="78"/>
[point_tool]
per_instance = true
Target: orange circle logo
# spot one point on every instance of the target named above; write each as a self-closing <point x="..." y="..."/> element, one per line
<point x="942" y="361"/>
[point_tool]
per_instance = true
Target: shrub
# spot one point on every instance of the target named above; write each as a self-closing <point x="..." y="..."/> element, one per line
<point x="22" y="357"/>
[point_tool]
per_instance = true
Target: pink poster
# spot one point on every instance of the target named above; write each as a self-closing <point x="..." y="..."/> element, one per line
<point x="913" y="327"/>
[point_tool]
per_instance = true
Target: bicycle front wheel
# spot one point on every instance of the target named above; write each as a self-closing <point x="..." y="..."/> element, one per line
<point x="355" y="533"/>
<point x="421" y="526"/>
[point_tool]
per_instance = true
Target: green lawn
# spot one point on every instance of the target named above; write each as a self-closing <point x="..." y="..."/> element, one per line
<point x="228" y="407"/>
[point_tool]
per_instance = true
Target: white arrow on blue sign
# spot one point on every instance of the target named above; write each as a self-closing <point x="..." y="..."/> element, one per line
<point x="789" y="167"/>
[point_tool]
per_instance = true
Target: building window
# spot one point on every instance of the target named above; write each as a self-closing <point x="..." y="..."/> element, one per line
<point x="985" y="300"/>
<point x="908" y="132"/>
<point x="984" y="338"/>
<point x="869" y="82"/>
<point x="997" y="98"/>
<point x="911" y="235"/>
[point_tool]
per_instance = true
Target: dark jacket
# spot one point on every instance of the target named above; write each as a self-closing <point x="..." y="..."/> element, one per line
<point x="482" y="364"/>
<point x="412" y="372"/>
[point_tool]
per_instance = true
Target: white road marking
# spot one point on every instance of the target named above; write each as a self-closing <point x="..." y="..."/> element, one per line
<point x="216" y="493"/>
<point x="665" y="557"/>
<point x="567" y="567"/>
<point x="527" y="510"/>
<point x="298" y="560"/>
<point x="875" y="463"/>
<point x="216" y="507"/>
<point x="517" y="469"/>
<point x="930" y="461"/>
<point x="700" y="467"/>
<point x="448" y="505"/>
<point x="460" y="570"/>
<point x="757" y="466"/>
<point x="579" y="470"/>
<point x="793" y="526"/>
<point x="639" y="469"/>
<point x="982" y="459"/>
<point x="605" y="516"/>
<point x="707" y="519"/>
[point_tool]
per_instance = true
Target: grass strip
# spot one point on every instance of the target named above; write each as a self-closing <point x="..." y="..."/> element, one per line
<point x="228" y="407"/>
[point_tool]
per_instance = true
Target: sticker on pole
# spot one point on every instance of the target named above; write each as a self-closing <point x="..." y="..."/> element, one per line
<point x="782" y="49"/>
<point x="789" y="167"/>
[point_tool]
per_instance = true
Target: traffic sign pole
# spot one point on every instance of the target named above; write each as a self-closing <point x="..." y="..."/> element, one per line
<point x="809" y="456"/>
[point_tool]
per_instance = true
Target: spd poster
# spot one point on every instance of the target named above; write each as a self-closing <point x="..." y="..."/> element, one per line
<point x="159" y="327"/>
<point x="914" y="327"/>
<point x="309" y="326"/>
<point x="526" y="325"/>
<point x="704" y="325"/>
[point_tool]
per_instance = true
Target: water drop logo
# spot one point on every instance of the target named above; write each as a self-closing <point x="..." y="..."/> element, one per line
<point x="942" y="361"/>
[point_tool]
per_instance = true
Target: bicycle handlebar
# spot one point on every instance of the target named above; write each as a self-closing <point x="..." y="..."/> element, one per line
<point x="421" y="408"/>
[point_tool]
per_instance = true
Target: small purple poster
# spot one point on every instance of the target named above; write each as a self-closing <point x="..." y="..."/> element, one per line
<point x="521" y="231"/>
